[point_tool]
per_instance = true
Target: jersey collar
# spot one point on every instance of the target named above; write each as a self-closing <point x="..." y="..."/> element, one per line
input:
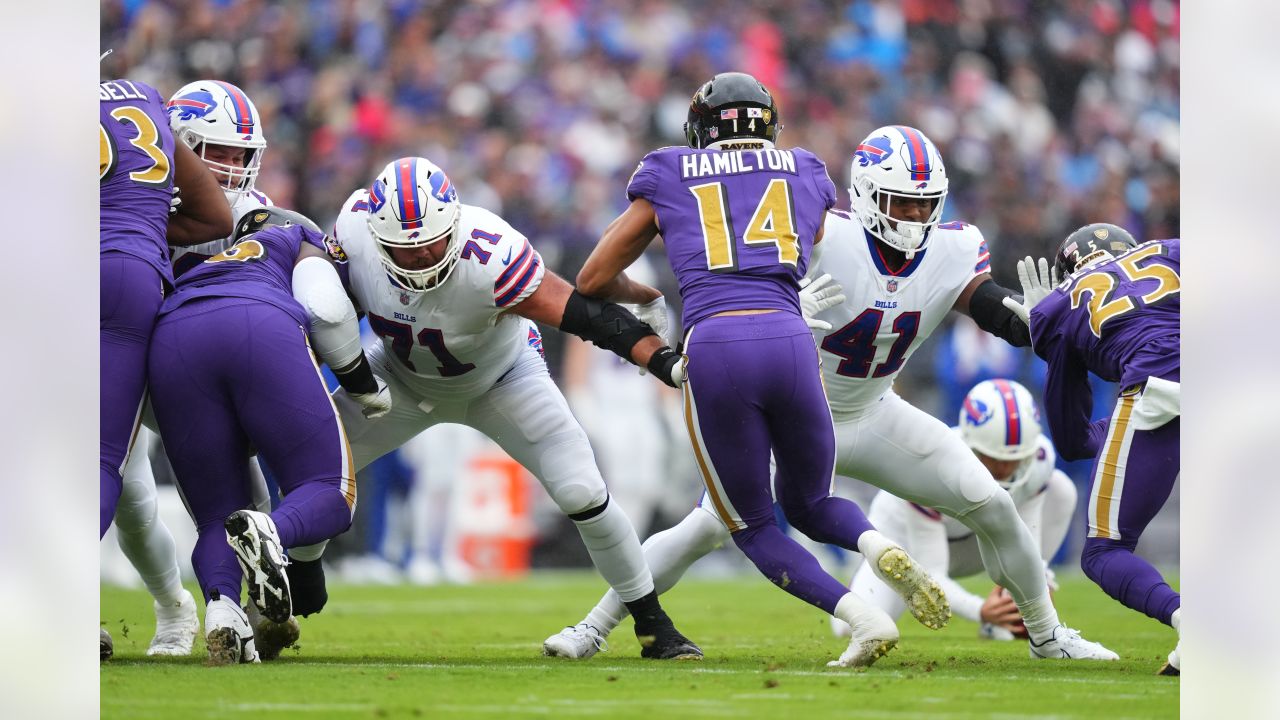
<point x="876" y="257"/>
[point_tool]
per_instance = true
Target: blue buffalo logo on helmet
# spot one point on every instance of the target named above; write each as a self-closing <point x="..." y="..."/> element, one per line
<point x="873" y="151"/>
<point x="377" y="196"/>
<point x="192" y="105"/>
<point x="442" y="189"/>
<point x="977" y="412"/>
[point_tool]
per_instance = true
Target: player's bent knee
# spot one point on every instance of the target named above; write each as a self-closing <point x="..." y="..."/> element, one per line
<point x="579" y="497"/>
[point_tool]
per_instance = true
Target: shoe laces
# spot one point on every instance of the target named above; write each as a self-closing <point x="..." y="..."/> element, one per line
<point x="593" y="633"/>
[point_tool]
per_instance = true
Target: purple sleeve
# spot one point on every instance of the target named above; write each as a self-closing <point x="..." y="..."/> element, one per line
<point x="1068" y="399"/>
<point x="644" y="181"/>
<point x="822" y="180"/>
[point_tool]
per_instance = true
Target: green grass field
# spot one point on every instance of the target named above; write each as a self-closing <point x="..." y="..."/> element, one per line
<point x="475" y="652"/>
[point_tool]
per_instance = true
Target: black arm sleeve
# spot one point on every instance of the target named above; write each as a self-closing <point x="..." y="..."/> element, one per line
<point x="987" y="309"/>
<point x="607" y="325"/>
<point x="357" y="378"/>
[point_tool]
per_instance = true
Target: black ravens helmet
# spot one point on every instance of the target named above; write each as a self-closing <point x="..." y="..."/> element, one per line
<point x="731" y="106"/>
<point x="259" y="218"/>
<point x="1098" y="241"/>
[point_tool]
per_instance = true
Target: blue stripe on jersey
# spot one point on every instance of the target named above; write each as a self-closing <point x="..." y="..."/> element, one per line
<point x="520" y="285"/>
<point x="515" y="265"/>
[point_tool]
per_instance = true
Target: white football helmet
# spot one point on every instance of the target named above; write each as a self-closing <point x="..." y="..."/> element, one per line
<point x="413" y="204"/>
<point x="999" y="419"/>
<point x="895" y="162"/>
<point x="211" y="112"/>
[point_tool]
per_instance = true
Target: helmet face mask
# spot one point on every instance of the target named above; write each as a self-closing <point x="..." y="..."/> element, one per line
<point x="732" y="109"/>
<point x="999" y="419"/>
<point x="892" y="166"/>
<point x="1090" y="245"/>
<point x="412" y="205"/>
<point x="214" y="118"/>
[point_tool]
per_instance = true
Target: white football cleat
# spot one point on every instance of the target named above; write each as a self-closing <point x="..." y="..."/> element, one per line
<point x="922" y="594"/>
<point x="840" y="628"/>
<point x="176" y="627"/>
<point x="271" y="637"/>
<point x="1067" y="644"/>
<point x="1174" y="666"/>
<point x="253" y="537"/>
<point x="579" y="642"/>
<point x="227" y="633"/>
<point x="106" y="646"/>
<point x="870" y="641"/>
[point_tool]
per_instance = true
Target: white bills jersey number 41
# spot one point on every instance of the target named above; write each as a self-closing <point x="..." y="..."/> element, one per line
<point x="887" y="314"/>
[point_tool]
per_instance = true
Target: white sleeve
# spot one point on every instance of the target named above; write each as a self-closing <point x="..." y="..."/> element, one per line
<point x="926" y="541"/>
<point x="519" y="274"/>
<point x="335" y="333"/>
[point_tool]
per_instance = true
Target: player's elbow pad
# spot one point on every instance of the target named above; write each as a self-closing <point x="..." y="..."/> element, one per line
<point x="986" y="307"/>
<point x="607" y="325"/>
<point x="335" y="332"/>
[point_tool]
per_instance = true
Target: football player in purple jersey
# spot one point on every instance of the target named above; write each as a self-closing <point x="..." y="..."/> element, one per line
<point x="1116" y="314"/>
<point x="739" y="219"/>
<point x="139" y="165"/>
<point x="232" y="371"/>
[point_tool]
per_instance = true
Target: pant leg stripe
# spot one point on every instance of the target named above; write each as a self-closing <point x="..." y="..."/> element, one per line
<point x="719" y="500"/>
<point x="347" y="477"/>
<point x="1108" y="480"/>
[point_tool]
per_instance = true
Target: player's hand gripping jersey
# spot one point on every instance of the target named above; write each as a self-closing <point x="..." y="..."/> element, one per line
<point x="455" y="341"/>
<point x="259" y="267"/>
<point x="185" y="258"/>
<point x="1119" y="320"/>
<point x="888" y="314"/>
<point x="738" y="225"/>
<point x="135" y="172"/>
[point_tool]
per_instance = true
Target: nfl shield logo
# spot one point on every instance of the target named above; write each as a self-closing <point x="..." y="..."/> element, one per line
<point x="404" y="298"/>
<point x="892" y="285"/>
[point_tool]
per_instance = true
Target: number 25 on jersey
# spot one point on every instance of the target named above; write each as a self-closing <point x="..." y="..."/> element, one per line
<point x="1100" y="285"/>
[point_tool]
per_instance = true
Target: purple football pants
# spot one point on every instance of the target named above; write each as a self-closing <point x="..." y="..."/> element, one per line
<point x="754" y="385"/>
<point x="230" y="377"/>
<point x="1132" y="478"/>
<point x="129" y="296"/>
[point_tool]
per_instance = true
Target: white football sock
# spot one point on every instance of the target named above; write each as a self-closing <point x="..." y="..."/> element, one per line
<point x="1010" y="557"/>
<point x="145" y="540"/>
<point x="1176" y="621"/>
<point x="669" y="554"/>
<point x="615" y="551"/>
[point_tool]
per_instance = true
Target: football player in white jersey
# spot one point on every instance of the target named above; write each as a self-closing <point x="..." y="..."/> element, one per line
<point x="902" y="271"/>
<point x="219" y="122"/>
<point x="1000" y="423"/>
<point x="453" y="290"/>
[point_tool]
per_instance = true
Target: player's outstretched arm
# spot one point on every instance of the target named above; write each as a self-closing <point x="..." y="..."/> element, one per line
<point x="623" y="242"/>
<point x="335" y="332"/>
<point x="608" y="325"/>
<point x="984" y="301"/>
<point x="203" y="214"/>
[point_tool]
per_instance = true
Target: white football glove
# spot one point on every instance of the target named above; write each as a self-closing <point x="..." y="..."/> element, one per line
<point x="375" y="404"/>
<point x="817" y="295"/>
<point x="654" y="313"/>
<point x="175" y="201"/>
<point x="1037" y="283"/>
